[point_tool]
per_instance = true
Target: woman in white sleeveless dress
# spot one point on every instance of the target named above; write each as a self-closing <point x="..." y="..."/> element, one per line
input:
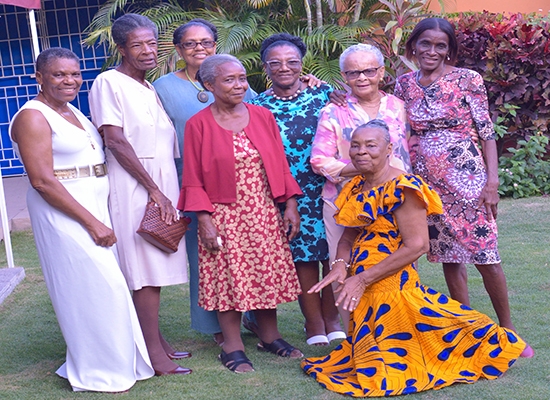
<point x="63" y="156"/>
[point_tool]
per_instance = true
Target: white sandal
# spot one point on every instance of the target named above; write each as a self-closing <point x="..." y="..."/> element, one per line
<point x="318" y="340"/>
<point x="336" y="335"/>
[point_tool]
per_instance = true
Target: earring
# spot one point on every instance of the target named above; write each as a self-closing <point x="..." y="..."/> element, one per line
<point x="414" y="52"/>
<point x="448" y="57"/>
<point x="180" y="64"/>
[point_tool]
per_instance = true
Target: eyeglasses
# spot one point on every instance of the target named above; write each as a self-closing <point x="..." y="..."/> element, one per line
<point x="275" y="65"/>
<point x="207" y="44"/>
<point x="369" y="73"/>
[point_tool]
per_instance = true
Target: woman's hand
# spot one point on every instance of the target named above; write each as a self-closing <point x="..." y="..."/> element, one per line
<point x="489" y="199"/>
<point x="338" y="97"/>
<point x="101" y="234"/>
<point x="291" y="219"/>
<point x="208" y="232"/>
<point x="167" y="211"/>
<point x="338" y="274"/>
<point x="350" y="292"/>
<point x="311" y="80"/>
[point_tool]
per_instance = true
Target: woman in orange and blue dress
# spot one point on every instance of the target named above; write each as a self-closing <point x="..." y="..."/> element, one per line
<point x="404" y="337"/>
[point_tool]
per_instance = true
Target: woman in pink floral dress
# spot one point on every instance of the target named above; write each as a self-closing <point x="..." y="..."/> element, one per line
<point x="446" y="107"/>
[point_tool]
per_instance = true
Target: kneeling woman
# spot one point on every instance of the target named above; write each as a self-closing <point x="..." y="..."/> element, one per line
<point x="405" y="337"/>
<point x="235" y="173"/>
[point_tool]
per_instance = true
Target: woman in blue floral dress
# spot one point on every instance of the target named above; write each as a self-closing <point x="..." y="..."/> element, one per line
<point x="296" y="108"/>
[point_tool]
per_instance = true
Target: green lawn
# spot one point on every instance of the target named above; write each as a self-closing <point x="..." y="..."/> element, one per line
<point x="31" y="346"/>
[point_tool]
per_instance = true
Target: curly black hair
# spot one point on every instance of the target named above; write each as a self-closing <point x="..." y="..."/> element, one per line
<point x="282" y="39"/>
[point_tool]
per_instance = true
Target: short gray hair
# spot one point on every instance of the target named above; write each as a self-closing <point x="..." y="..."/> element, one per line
<point x="376" y="124"/>
<point x="45" y="58"/>
<point x="362" y="48"/>
<point x="209" y="67"/>
<point x="128" y="23"/>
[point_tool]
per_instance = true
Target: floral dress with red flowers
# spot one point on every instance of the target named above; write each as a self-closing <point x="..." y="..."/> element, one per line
<point x="444" y="115"/>
<point x="254" y="268"/>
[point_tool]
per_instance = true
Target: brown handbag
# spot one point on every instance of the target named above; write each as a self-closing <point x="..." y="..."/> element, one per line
<point x="157" y="232"/>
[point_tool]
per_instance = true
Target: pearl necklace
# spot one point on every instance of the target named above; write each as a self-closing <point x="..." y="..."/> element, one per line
<point x="292" y="96"/>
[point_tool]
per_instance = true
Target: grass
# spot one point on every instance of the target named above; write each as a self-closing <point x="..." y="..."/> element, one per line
<point x="31" y="345"/>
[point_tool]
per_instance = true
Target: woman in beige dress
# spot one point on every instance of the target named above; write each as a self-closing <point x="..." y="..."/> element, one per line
<point x="141" y="146"/>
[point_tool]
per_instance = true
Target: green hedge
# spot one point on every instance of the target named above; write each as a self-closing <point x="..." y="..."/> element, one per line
<point x="512" y="53"/>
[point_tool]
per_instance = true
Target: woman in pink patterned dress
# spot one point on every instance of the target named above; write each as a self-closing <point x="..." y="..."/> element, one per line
<point x="447" y="106"/>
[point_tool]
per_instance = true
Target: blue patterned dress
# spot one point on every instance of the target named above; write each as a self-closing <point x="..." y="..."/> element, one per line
<point x="297" y="120"/>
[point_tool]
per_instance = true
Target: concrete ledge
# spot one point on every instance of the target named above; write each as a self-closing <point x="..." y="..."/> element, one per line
<point x="9" y="279"/>
<point x="21" y="222"/>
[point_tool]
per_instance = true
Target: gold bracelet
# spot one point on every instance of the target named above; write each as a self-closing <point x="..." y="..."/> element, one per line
<point x="337" y="261"/>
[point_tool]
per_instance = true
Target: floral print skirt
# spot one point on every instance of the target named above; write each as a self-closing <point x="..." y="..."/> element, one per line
<point x="254" y="268"/>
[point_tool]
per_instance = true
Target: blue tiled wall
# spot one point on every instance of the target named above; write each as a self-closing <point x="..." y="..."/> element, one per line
<point x="60" y="23"/>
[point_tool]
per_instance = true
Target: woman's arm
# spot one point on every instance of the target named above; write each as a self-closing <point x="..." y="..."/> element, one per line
<point x="489" y="195"/>
<point x="338" y="268"/>
<point x="413" y="228"/>
<point x="479" y="109"/>
<point x="324" y="150"/>
<point x="124" y="153"/>
<point x="32" y="133"/>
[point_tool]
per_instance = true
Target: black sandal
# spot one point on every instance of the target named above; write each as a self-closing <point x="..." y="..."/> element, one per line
<point x="279" y="347"/>
<point x="232" y="360"/>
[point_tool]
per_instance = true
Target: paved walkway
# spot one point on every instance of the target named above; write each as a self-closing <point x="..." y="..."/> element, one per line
<point x="15" y="191"/>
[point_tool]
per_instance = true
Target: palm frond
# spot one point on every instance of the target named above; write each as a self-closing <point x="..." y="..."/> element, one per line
<point x="233" y="36"/>
<point x="324" y="69"/>
<point x="259" y="3"/>
<point x="103" y="19"/>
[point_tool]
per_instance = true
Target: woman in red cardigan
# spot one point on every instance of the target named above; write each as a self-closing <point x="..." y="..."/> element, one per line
<point x="235" y="174"/>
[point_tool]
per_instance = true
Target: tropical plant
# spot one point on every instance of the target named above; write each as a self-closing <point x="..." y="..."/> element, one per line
<point x="512" y="53"/>
<point x="395" y="19"/>
<point x="525" y="172"/>
<point x="241" y="31"/>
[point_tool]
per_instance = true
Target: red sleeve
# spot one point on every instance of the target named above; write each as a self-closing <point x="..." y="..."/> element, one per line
<point x="193" y="196"/>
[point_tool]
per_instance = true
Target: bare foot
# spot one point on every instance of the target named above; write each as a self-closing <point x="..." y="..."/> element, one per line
<point x="528" y="352"/>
